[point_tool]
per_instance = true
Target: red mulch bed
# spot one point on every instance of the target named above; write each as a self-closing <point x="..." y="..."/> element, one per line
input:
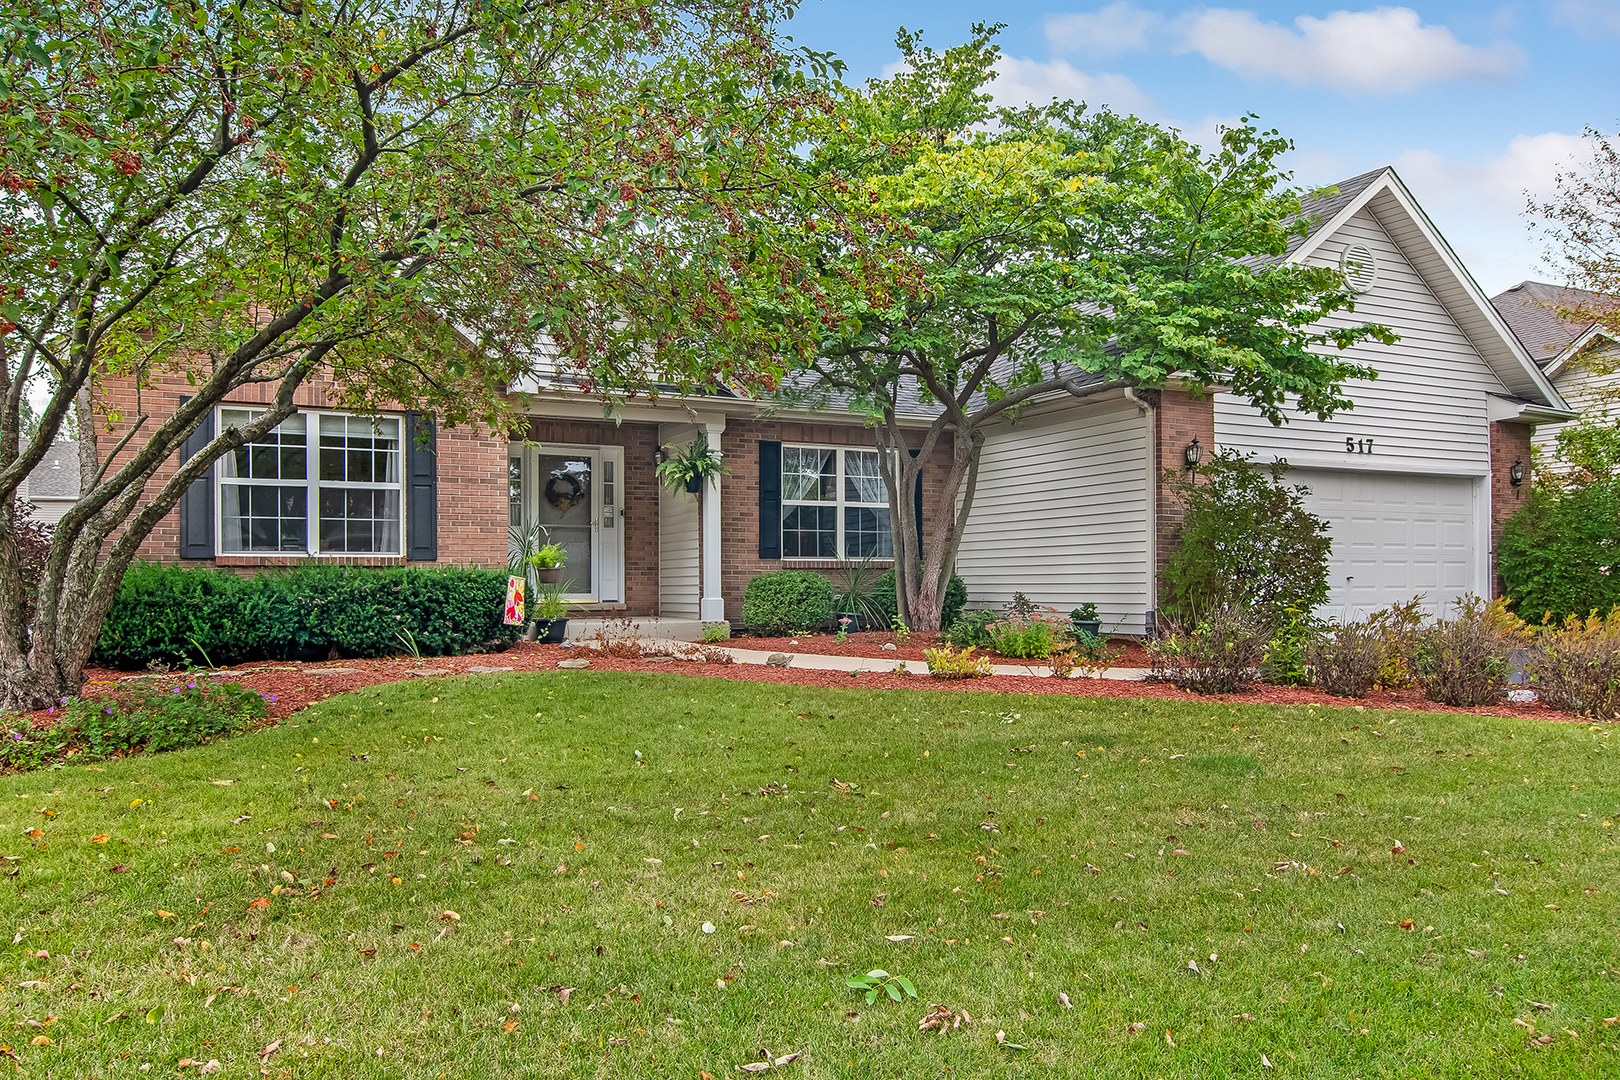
<point x="295" y="686"/>
<point x="870" y="646"/>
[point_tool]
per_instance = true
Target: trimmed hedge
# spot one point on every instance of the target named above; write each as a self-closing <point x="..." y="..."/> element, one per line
<point x="787" y="602"/>
<point x="956" y="597"/>
<point x="171" y="615"/>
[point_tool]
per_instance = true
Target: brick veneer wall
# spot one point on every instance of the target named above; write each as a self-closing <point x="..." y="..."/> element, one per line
<point x="740" y="494"/>
<point x="1179" y="419"/>
<point x="1509" y="443"/>
<point x="472" y="478"/>
<point x="639" y="496"/>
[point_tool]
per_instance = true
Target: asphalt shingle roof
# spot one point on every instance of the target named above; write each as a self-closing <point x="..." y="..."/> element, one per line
<point x="1529" y="309"/>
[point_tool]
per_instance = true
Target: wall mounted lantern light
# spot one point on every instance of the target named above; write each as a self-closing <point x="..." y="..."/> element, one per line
<point x="1516" y="472"/>
<point x="1192" y="455"/>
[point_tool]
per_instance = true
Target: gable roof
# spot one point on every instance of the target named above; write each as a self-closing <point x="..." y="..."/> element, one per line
<point x="1530" y="308"/>
<point x="1383" y="194"/>
<point x="57" y="474"/>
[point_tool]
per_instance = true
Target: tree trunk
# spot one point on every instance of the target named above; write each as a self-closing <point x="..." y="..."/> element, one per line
<point x="923" y="572"/>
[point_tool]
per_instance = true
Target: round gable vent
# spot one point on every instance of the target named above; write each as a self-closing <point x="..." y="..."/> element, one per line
<point x="1360" y="267"/>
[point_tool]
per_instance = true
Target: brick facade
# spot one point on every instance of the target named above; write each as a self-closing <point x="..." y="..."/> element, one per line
<point x="1509" y="443"/>
<point x="639" y="496"/>
<point x="472" y="477"/>
<point x="740" y="491"/>
<point x="1177" y="421"/>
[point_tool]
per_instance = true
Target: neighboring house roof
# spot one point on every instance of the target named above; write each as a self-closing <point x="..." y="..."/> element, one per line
<point x="1386" y="197"/>
<point x="57" y="474"/>
<point x="1531" y="309"/>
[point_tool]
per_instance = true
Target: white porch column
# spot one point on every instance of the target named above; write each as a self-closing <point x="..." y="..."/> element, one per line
<point x="712" y="607"/>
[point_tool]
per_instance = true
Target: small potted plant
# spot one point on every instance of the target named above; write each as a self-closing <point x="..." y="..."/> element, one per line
<point x="1084" y="619"/>
<point x="550" y="614"/>
<point x="691" y="467"/>
<point x="548" y="561"/>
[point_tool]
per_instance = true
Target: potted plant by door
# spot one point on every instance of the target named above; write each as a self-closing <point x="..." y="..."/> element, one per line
<point x="690" y="468"/>
<point x="550" y="614"/>
<point x="1084" y="618"/>
<point x="548" y="561"/>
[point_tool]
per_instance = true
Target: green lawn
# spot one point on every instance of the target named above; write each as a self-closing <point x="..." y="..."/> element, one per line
<point x="1021" y="847"/>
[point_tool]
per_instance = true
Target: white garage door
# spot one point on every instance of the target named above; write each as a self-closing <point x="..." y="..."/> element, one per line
<point x="1394" y="536"/>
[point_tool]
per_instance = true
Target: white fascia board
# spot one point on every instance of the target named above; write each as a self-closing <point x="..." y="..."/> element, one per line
<point x="1575" y="348"/>
<point x="1479" y="304"/>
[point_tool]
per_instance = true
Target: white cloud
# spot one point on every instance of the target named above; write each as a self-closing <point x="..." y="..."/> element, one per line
<point x="1602" y="16"/>
<point x="1119" y="27"/>
<point x="1383" y="51"/>
<point x="1023" y="81"/>
<point x="1498" y="184"/>
<point x="1480" y="206"/>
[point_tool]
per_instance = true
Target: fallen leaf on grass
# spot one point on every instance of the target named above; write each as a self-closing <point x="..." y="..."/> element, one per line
<point x="1265" y="1061"/>
<point x="1063" y="999"/>
<point x="899" y="937"/>
<point x="100" y="838"/>
<point x="258" y="903"/>
<point x="268" y="1050"/>
<point x="40" y="1040"/>
<point x="1537" y="1004"/>
<point x="509" y="1026"/>
<point x="1168" y="1040"/>
<point x="31" y="984"/>
<point x="564" y="993"/>
<point x="449" y="916"/>
<point x="944" y="1018"/>
<point x="119" y="869"/>
<point x="1001" y="1040"/>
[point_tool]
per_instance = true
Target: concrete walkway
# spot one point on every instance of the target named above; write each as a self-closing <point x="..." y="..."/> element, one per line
<point x="821" y="662"/>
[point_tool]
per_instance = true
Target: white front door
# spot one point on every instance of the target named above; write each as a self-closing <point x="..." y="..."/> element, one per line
<point x="576" y="493"/>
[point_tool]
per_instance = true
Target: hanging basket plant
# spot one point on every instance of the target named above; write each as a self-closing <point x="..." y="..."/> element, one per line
<point x="690" y="468"/>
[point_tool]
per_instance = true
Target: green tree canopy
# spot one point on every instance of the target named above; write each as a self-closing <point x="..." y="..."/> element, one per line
<point x="413" y="198"/>
<point x="985" y="258"/>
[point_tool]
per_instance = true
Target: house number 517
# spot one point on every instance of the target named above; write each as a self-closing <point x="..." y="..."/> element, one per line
<point x="1358" y="446"/>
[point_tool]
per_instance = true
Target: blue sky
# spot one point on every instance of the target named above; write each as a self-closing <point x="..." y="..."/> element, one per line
<point x="1472" y="103"/>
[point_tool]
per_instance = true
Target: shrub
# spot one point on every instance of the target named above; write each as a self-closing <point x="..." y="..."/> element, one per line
<point x="945" y="662"/>
<point x="1347" y="658"/>
<point x="1284" y="661"/>
<point x="1560" y="555"/>
<point x="33" y="548"/>
<point x="1397" y="628"/>
<point x="1246" y="540"/>
<point x="716" y="631"/>
<point x="154" y="719"/>
<point x="787" y="602"/>
<point x="1092" y="653"/>
<point x="972" y="630"/>
<point x="956" y="597"/>
<point x="170" y="615"/>
<point x="1464" y="661"/>
<point x="1030" y="638"/>
<point x="1220" y="654"/>
<point x="1575" y="667"/>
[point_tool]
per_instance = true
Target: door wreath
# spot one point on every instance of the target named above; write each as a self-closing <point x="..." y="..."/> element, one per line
<point x="564" y="491"/>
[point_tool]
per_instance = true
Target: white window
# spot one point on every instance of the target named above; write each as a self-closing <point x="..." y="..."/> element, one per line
<point x="349" y="503"/>
<point x="834" y="504"/>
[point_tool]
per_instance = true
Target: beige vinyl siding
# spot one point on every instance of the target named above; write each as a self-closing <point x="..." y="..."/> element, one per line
<point x="679" y="551"/>
<point x="1426" y="411"/>
<point x="1061" y="514"/>
<point x="1590" y="384"/>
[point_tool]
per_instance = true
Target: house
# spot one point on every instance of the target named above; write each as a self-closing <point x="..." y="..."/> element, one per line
<point x="1581" y="358"/>
<point x="54" y="483"/>
<point x="1414" y="481"/>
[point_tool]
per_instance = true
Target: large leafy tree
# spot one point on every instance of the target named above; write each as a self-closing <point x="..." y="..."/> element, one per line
<point x="414" y="198"/>
<point x="1049" y="251"/>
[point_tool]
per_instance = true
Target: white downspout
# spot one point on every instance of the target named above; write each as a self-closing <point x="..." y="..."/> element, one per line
<point x="1151" y="415"/>
<point x="712" y="606"/>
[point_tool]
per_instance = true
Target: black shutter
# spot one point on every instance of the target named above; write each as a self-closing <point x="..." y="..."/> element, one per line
<point x="770" y="500"/>
<point x="197" y="501"/>
<point x="918" y="496"/>
<point x="421" y="490"/>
